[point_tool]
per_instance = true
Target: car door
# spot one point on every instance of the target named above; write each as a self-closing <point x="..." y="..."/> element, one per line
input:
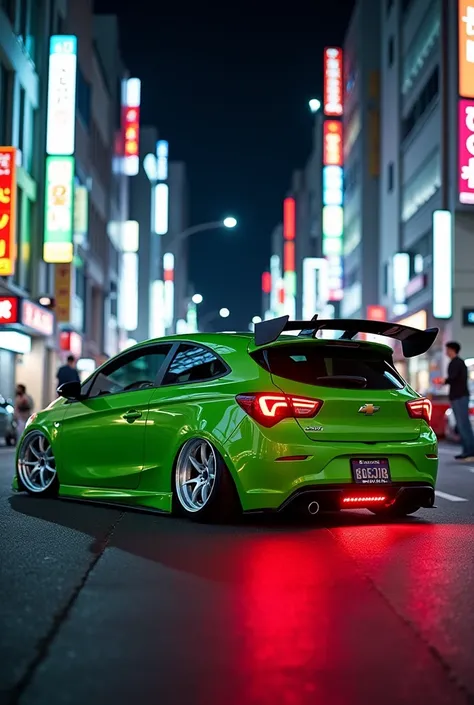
<point x="194" y="379"/>
<point x="102" y="437"/>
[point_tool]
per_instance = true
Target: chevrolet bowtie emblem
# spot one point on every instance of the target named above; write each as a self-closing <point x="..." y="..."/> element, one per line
<point x="369" y="409"/>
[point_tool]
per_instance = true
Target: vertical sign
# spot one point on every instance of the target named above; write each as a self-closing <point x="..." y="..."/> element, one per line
<point x="332" y="143"/>
<point x="161" y="160"/>
<point x="58" y="232"/>
<point x="333" y="162"/>
<point x="466" y="151"/>
<point x="333" y="82"/>
<point x="63" y="292"/>
<point x="131" y="125"/>
<point x="442" y="264"/>
<point x="289" y="268"/>
<point x="61" y="119"/>
<point x="466" y="48"/>
<point x="7" y="211"/>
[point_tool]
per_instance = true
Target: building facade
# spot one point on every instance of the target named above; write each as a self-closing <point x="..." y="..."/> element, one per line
<point x="361" y="159"/>
<point x="426" y="190"/>
<point x="63" y="188"/>
<point x="27" y="329"/>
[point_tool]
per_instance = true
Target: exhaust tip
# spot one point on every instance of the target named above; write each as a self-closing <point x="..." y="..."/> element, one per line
<point x="313" y="508"/>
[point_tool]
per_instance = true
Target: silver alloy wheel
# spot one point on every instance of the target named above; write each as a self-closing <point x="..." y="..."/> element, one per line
<point x="36" y="463"/>
<point x="195" y="474"/>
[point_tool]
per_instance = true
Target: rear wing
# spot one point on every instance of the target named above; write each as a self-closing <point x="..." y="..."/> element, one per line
<point x="414" y="341"/>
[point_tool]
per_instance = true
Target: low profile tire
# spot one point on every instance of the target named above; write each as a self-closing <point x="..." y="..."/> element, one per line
<point x="36" y="466"/>
<point x="394" y="511"/>
<point x="203" y="488"/>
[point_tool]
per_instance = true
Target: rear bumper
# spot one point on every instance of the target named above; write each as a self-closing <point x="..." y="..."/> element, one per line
<point x="332" y="497"/>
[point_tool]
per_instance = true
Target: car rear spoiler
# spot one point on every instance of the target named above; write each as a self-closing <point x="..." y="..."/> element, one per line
<point x="414" y="341"/>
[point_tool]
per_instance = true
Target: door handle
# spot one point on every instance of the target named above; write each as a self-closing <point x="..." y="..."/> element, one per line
<point x="132" y="415"/>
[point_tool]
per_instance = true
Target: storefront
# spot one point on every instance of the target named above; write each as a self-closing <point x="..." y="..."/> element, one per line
<point x="27" y="346"/>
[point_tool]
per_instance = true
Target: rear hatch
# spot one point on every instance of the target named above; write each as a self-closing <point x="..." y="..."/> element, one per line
<point x="364" y="397"/>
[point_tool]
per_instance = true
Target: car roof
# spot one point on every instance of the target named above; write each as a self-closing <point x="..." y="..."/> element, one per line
<point x="230" y="341"/>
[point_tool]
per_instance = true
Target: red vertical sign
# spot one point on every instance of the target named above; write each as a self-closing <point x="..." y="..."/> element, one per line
<point x="7" y="210"/>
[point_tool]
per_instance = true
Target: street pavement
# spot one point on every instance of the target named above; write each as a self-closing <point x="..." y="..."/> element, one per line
<point x="103" y="606"/>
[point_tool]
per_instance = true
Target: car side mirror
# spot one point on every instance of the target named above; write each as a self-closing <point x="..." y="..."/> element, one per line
<point x="70" y="390"/>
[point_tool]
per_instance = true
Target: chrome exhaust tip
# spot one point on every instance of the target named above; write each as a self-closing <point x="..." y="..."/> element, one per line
<point x="313" y="508"/>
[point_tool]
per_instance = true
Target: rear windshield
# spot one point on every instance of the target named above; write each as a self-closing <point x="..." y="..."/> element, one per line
<point x="334" y="366"/>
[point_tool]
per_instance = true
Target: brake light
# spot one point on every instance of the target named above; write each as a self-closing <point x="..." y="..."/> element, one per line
<point x="420" y="409"/>
<point x="270" y="409"/>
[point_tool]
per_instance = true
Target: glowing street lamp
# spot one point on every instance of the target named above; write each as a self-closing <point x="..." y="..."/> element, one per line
<point x="256" y="319"/>
<point x="224" y="313"/>
<point x="314" y="105"/>
<point x="197" y="299"/>
<point x="230" y="222"/>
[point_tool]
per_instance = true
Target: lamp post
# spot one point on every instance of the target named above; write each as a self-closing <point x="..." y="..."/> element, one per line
<point x="228" y="223"/>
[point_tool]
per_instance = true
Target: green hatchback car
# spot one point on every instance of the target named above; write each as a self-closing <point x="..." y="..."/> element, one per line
<point x="207" y="425"/>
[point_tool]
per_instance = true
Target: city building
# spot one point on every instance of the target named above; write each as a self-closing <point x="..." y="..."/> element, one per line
<point x="63" y="190"/>
<point x="27" y="329"/>
<point x="426" y="184"/>
<point x="361" y="159"/>
<point x="175" y="244"/>
<point x="142" y="307"/>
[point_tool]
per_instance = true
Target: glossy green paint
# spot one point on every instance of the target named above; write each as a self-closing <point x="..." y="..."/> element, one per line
<point x="103" y="457"/>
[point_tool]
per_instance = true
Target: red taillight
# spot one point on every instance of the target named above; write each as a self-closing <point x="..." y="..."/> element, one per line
<point x="269" y="409"/>
<point x="364" y="500"/>
<point x="420" y="409"/>
<point x="471" y="411"/>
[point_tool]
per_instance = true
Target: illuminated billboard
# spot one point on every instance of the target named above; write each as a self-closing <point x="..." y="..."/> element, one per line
<point x="466" y="48"/>
<point x="333" y="186"/>
<point x="131" y="126"/>
<point x="58" y="228"/>
<point x="161" y="160"/>
<point x="161" y="208"/>
<point x="333" y="73"/>
<point x="332" y="143"/>
<point x="7" y="210"/>
<point x="466" y="151"/>
<point x="442" y="264"/>
<point x="289" y="268"/>
<point x="61" y="116"/>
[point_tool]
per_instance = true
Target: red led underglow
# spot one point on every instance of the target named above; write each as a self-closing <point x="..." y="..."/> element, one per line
<point x="289" y="218"/>
<point x="266" y="282"/>
<point x="364" y="500"/>
<point x="269" y="409"/>
<point x="420" y="409"/>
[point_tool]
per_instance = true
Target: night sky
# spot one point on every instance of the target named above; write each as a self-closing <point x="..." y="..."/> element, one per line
<point x="229" y="91"/>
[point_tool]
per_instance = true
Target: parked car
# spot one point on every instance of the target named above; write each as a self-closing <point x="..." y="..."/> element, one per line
<point x="451" y="432"/>
<point x="7" y="422"/>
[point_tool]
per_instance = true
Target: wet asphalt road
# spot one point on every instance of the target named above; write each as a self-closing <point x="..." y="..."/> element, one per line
<point x="102" y="606"/>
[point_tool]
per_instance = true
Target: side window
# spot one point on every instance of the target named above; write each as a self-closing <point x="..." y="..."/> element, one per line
<point x="193" y="364"/>
<point x="130" y="372"/>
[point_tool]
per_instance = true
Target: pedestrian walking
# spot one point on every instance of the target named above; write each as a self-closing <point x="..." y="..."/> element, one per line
<point x="457" y="380"/>
<point x="68" y="372"/>
<point x="23" y="408"/>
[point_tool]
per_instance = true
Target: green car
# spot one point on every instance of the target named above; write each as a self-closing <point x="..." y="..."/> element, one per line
<point x="207" y="425"/>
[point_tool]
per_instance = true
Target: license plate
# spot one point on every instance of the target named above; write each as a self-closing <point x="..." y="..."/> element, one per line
<point x="371" y="471"/>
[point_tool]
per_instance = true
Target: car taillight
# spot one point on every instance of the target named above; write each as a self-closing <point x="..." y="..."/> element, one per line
<point x="420" y="409"/>
<point x="269" y="409"/>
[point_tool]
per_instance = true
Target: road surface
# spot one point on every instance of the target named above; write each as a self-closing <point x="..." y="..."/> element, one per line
<point x="104" y="606"/>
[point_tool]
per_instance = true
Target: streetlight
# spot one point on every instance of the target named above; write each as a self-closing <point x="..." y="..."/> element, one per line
<point x="197" y="299"/>
<point x="224" y="313"/>
<point x="256" y="319"/>
<point x="314" y="105"/>
<point x="228" y="223"/>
